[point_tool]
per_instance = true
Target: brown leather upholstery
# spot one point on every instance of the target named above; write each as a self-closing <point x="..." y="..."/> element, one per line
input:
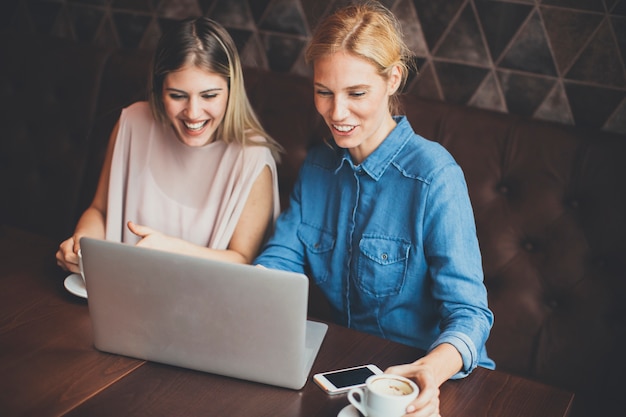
<point x="550" y="208"/>
<point x="550" y="202"/>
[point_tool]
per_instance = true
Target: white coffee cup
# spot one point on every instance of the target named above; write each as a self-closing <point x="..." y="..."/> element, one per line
<point x="80" y="264"/>
<point x="384" y="395"/>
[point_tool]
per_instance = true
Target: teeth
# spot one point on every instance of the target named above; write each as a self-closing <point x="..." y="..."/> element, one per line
<point x="343" y="128"/>
<point x="195" y="126"/>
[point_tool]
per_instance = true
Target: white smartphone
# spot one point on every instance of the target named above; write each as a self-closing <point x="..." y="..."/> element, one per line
<point x="342" y="380"/>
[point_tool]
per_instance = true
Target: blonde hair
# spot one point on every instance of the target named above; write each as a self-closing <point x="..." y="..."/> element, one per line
<point x="205" y="44"/>
<point x="369" y="31"/>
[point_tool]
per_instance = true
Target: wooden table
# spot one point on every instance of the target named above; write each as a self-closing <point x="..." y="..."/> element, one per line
<point x="49" y="367"/>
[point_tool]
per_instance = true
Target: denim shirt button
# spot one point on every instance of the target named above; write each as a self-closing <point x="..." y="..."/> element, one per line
<point x="384" y="256"/>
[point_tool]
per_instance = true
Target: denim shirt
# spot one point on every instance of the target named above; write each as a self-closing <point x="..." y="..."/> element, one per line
<point x="391" y="243"/>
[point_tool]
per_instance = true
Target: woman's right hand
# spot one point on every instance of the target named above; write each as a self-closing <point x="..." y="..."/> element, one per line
<point x="67" y="255"/>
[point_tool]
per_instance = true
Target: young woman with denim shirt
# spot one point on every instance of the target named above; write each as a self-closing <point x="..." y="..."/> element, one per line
<point x="380" y="218"/>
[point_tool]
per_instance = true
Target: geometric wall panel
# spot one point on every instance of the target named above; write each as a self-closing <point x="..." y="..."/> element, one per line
<point x="568" y="31"/>
<point x="435" y="16"/>
<point x="500" y="22"/>
<point x="463" y="41"/>
<point x="601" y="52"/>
<point x="556" y="107"/>
<point x="557" y="60"/>
<point x="524" y="93"/>
<point x="592" y="106"/>
<point x="593" y="5"/>
<point x="488" y="95"/>
<point x="459" y="81"/>
<point x="529" y="51"/>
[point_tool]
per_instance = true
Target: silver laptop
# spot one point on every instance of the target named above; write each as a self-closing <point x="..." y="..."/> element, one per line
<point x="235" y="320"/>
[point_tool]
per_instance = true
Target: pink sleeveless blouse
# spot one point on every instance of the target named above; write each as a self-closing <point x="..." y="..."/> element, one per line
<point x="193" y="193"/>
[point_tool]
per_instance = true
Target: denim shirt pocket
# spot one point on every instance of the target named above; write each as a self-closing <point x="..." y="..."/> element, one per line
<point x="382" y="265"/>
<point x="319" y="246"/>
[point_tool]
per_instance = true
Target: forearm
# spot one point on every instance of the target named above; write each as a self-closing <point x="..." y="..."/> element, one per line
<point x="158" y="241"/>
<point x="226" y="255"/>
<point x="284" y="250"/>
<point x="444" y="361"/>
<point x="91" y="223"/>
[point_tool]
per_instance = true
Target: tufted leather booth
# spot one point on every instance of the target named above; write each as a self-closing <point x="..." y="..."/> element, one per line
<point x="549" y="201"/>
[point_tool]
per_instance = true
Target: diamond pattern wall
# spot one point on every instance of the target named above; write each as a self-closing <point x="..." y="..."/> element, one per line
<point x="557" y="60"/>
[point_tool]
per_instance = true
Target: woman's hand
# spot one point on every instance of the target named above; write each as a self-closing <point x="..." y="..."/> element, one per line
<point x="153" y="239"/>
<point x="67" y="254"/>
<point x="429" y="372"/>
<point x="150" y="238"/>
<point x="427" y="402"/>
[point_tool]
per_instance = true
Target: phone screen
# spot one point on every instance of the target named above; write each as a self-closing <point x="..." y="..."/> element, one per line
<point x="342" y="379"/>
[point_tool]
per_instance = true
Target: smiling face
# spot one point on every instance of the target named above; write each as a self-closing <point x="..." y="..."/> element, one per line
<point x="353" y="99"/>
<point x="195" y="102"/>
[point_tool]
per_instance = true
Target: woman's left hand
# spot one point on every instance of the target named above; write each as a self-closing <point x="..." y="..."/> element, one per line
<point x="153" y="239"/>
<point x="427" y="402"/>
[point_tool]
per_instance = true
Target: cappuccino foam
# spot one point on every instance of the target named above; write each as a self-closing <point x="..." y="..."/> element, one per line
<point x="391" y="386"/>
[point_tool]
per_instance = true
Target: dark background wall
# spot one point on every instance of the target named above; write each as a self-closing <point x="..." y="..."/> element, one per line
<point x="558" y="60"/>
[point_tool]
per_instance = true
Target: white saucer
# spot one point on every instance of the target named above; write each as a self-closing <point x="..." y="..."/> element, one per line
<point x="349" y="411"/>
<point x="74" y="283"/>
